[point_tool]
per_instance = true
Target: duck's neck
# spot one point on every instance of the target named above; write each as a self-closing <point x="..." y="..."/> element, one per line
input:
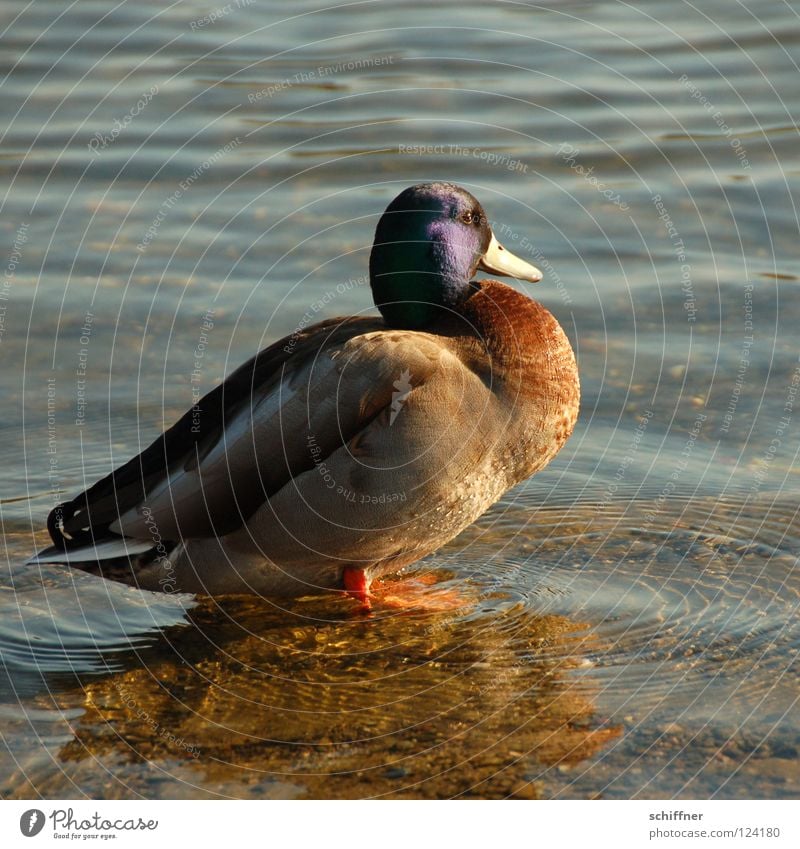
<point x="518" y="332"/>
<point x="531" y="366"/>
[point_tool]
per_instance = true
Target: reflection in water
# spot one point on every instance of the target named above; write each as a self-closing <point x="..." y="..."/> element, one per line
<point x="580" y="617"/>
<point x="315" y="701"/>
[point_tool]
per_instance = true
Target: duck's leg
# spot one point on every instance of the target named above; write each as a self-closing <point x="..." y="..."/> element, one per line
<point x="356" y="584"/>
<point x="414" y="593"/>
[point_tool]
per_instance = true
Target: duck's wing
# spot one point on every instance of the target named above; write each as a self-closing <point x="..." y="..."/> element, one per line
<point x="278" y="415"/>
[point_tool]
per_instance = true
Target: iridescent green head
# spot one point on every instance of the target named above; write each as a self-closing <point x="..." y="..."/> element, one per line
<point x="428" y="245"/>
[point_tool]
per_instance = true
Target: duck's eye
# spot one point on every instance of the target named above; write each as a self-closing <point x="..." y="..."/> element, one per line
<point x="471" y="218"/>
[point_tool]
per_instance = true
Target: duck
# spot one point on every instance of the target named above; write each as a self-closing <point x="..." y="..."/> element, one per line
<point x="354" y="447"/>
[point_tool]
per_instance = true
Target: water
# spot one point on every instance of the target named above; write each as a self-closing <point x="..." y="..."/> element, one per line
<point x="629" y="623"/>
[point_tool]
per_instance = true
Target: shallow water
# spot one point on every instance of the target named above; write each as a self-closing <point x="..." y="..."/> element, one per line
<point x="628" y="621"/>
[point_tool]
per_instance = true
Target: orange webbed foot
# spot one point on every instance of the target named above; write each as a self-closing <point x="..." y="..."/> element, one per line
<point x="418" y="593"/>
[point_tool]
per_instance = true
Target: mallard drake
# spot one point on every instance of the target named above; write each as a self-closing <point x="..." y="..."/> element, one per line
<point x="353" y="447"/>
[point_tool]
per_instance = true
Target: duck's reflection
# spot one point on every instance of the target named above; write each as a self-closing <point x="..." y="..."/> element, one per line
<point x="309" y="700"/>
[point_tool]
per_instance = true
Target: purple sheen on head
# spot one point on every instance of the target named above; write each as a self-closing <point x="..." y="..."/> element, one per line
<point x="427" y="248"/>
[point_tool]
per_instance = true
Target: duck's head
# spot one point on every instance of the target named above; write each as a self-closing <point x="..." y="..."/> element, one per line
<point x="429" y="243"/>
